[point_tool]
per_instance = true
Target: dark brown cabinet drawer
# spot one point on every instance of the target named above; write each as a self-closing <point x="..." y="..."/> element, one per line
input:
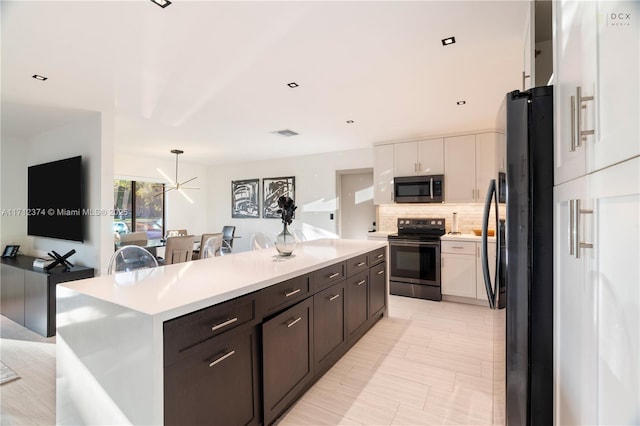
<point x="328" y="321"/>
<point x="377" y="256"/>
<point x="357" y="301"/>
<point x="377" y="288"/>
<point x="356" y="265"/>
<point x="216" y="383"/>
<point x="188" y="330"/>
<point x="329" y="275"/>
<point x="286" y="293"/>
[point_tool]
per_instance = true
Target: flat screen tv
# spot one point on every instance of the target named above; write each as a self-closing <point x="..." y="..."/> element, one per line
<point x="54" y="200"/>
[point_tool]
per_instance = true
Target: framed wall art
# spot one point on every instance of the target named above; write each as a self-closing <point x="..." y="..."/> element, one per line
<point x="272" y="189"/>
<point x="244" y="198"/>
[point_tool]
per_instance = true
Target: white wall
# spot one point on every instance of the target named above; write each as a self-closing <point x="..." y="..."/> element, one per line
<point x="315" y="193"/>
<point x="179" y="212"/>
<point x="13" y="159"/>
<point x="82" y="137"/>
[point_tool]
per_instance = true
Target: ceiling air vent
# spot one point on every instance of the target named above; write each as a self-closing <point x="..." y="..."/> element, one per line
<point x="285" y="132"/>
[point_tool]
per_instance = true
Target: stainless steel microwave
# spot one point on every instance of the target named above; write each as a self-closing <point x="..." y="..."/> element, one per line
<point x="419" y="189"/>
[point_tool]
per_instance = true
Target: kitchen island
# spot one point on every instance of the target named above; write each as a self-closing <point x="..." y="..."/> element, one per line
<point x="206" y="341"/>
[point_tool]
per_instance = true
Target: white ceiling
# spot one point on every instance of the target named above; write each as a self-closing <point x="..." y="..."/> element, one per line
<point x="210" y="77"/>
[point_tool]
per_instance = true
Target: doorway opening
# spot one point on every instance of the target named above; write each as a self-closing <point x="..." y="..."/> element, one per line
<point x="356" y="211"/>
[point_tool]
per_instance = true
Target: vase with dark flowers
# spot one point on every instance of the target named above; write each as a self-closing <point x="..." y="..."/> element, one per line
<point x="285" y="241"/>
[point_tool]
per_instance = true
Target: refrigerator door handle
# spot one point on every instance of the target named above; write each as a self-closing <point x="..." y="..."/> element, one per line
<point x="489" y="286"/>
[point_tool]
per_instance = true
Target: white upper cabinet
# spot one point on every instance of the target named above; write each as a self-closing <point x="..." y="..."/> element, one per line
<point x="574" y="65"/>
<point x="486" y="161"/>
<point x="471" y="161"/>
<point x="460" y="167"/>
<point x="617" y="92"/>
<point x="424" y="157"/>
<point x="383" y="174"/>
<point x="597" y="85"/>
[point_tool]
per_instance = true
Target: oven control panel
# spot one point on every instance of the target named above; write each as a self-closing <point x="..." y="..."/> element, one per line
<point x="418" y="225"/>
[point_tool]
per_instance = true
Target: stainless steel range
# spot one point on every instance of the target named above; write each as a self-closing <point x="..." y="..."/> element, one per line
<point x="415" y="258"/>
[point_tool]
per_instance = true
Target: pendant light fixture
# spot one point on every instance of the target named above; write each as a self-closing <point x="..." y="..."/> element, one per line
<point x="177" y="185"/>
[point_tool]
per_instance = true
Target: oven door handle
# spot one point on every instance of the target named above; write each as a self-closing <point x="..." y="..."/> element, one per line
<point x="414" y="243"/>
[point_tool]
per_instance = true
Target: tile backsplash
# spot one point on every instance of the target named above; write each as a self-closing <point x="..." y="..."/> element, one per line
<point x="469" y="215"/>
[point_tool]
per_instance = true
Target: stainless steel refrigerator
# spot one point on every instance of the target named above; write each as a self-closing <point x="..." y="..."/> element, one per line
<point x="521" y="291"/>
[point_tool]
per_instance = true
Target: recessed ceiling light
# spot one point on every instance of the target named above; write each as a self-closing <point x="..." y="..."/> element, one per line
<point x="285" y="132"/>
<point x="349" y="121"/>
<point x="447" y="41"/>
<point x="293" y="84"/>
<point x="461" y="102"/>
<point x="162" y="3"/>
<point x="39" y="77"/>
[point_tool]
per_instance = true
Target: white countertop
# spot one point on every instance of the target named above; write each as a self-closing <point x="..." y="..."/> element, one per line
<point x="464" y="237"/>
<point x="173" y="290"/>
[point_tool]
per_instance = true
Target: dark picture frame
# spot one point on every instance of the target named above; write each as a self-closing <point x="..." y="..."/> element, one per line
<point x="245" y="199"/>
<point x="272" y="189"/>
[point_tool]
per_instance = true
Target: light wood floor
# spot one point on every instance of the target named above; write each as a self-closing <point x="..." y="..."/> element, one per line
<point x="428" y="363"/>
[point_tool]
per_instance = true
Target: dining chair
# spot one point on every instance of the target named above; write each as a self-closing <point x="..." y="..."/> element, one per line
<point x="259" y="241"/>
<point x="212" y="247"/>
<point x="178" y="249"/>
<point x="228" y="233"/>
<point x="203" y="240"/>
<point x="130" y="258"/>
<point x="133" y="237"/>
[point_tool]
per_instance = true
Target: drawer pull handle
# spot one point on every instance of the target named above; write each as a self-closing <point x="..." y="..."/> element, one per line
<point x="224" y="324"/>
<point x="361" y="282"/>
<point x="380" y="256"/>
<point x="457" y="247"/>
<point x="334" y="297"/>
<point x="291" y="293"/>
<point x="334" y="275"/>
<point x="222" y="358"/>
<point x="360" y="264"/>
<point x="380" y="272"/>
<point x="293" y="322"/>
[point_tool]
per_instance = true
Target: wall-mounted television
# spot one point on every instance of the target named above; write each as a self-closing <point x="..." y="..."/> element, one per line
<point x="55" y="200"/>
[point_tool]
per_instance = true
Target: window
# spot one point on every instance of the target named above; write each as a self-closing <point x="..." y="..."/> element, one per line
<point x="142" y="212"/>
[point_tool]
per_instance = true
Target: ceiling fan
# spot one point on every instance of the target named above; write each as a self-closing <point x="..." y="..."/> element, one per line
<point x="179" y="186"/>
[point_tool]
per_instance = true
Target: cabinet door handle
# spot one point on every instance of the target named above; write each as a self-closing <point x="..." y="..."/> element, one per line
<point x="431" y="187"/>
<point x="334" y="297"/>
<point x="291" y="293"/>
<point x="573" y="125"/>
<point x="360" y="264"/>
<point x="222" y="358"/>
<point x="582" y="134"/>
<point x="293" y="322"/>
<point x="224" y="324"/>
<point x="361" y="282"/>
<point x="334" y="275"/>
<point x="380" y="272"/>
<point x="574" y="228"/>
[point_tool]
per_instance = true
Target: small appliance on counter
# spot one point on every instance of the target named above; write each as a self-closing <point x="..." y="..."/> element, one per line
<point x="414" y="254"/>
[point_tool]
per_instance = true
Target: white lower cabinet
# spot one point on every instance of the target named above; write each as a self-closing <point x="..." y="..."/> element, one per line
<point x="458" y="271"/>
<point x="481" y="290"/>
<point x="461" y="271"/>
<point x="597" y="297"/>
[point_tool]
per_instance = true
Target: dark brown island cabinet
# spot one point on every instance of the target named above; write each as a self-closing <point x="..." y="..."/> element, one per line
<point x="28" y="294"/>
<point x="246" y="361"/>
